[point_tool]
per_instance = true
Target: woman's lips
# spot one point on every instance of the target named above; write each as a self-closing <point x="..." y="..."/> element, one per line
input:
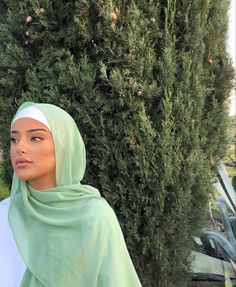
<point x="21" y="162"/>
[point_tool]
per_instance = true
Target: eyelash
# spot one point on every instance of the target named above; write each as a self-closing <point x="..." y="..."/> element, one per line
<point x="34" y="138"/>
<point x="38" y="138"/>
<point x="13" y="140"/>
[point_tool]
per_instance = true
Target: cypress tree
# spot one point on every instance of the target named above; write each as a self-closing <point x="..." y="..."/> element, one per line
<point x="147" y="84"/>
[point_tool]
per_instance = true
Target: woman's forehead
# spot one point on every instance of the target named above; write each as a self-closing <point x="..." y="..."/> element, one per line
<point x="32" y="112"/>
<point x="25" y="124"/>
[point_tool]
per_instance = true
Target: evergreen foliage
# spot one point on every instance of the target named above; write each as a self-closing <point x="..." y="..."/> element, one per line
<point x="147" y="83"/>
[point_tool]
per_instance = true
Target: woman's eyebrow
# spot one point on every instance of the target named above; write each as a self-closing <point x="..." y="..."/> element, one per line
<point x="30" y="131"/>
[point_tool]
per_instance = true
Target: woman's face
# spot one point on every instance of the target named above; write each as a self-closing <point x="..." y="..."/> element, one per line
<point x="32" y="153"/>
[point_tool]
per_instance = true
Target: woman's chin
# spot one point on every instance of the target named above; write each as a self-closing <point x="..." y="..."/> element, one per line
<point x="23" y="177"/>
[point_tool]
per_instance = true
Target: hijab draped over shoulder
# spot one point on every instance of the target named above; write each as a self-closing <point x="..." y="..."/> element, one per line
<point x="68" y="235"/>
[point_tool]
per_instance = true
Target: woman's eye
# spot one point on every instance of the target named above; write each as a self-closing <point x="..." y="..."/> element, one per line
<point x="36" y="139"/>
<point x="13" y="140"/>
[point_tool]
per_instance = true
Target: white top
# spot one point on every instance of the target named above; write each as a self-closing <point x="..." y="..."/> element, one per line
<point x="12" y="267"/>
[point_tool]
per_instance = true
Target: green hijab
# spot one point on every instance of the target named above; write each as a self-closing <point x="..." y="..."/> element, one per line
<point x="68" y="235"/>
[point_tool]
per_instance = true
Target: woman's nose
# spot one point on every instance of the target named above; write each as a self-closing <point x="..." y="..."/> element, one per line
<point x="21" y="148"/>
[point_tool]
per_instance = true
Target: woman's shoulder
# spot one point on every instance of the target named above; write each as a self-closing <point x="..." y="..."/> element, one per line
<point x="4" y="204"/>
<point x="100" y="206"/>
<point x="102" y="220"/>
<point x="100" y="210"/>
<point x="4" y="207"/>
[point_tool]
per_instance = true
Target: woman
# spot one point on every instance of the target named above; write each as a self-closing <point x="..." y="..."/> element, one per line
<point x="66" y="233"/>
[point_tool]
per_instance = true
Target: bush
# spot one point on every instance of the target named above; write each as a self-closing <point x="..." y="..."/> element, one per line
<point x="147" y="84"/>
